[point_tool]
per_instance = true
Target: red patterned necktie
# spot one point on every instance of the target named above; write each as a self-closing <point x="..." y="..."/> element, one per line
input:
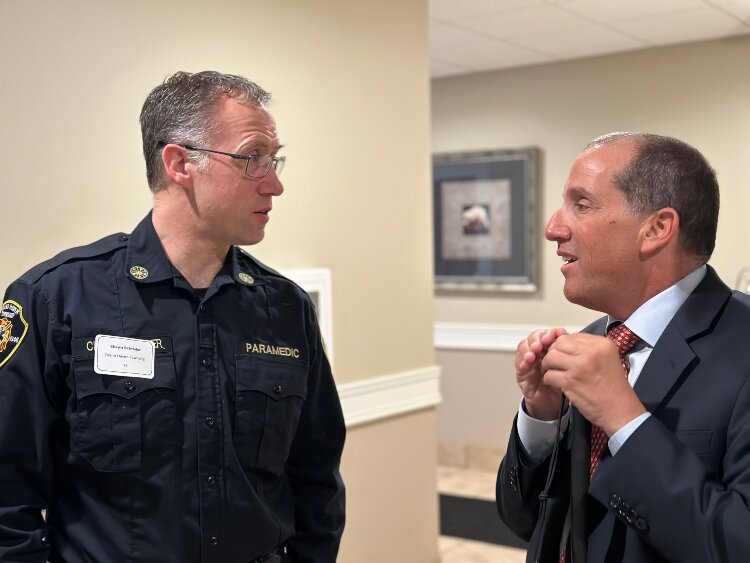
<point x="625" y="340"/>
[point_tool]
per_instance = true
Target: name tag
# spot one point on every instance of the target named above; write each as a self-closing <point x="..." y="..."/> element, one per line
<point x="126" y="357"/>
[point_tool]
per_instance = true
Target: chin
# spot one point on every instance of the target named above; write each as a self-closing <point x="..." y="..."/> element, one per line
<point x="576" y="295"/>
<point x="585" y="299"/>
<point x="254" y="238"/>
<point x="570" y="296"/>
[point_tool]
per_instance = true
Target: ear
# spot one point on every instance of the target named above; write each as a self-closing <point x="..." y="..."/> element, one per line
<point x="658" y="230"/>
<point x="174" y="158"/>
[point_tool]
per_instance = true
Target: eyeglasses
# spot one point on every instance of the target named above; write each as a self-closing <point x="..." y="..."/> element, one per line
<point x="256" y="165"/>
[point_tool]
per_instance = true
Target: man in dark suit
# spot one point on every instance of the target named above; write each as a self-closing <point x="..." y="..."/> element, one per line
<point x="635" y="447"/>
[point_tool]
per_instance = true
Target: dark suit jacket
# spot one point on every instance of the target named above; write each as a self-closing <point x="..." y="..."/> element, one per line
<point x="679" y="488"/>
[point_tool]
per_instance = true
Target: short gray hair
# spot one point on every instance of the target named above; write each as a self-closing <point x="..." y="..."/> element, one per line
<point x="181" y="110"/>
<point x="667" y="172"/>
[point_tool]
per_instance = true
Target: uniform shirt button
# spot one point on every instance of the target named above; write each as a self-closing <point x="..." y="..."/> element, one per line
<point x="129" y="386"/>
<point x="277" y="388"/>
<point x="213" y="540"/>
<point x="201" y="307"/>
<point x="211" y="481"/>
<point x="641" y="525"/>
<point x="209" y="420"/>
<point x="206" y="363"/>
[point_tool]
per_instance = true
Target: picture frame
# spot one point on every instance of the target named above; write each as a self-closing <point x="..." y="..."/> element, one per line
<point x="484" y="220"/>
<point x="317" y="283"/>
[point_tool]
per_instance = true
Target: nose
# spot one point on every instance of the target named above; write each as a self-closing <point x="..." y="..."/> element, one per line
<point x="556" y="229"/>
<point x="271" y="185"/>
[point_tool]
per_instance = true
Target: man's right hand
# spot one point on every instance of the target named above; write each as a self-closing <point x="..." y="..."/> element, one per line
<point x="540" y="401"/>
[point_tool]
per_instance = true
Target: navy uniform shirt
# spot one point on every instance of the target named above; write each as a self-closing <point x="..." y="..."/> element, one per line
<point x="229" y="450"/>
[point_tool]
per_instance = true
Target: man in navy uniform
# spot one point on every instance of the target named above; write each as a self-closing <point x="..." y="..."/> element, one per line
<point x="164" y="396"/>
<point x="652" y="463"/>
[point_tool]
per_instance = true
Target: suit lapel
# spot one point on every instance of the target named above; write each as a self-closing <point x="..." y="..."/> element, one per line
<point x="580" y="453"/>
<point x="672" y="355"/>
<point x="580" y="446"/>
<point x="669" y="359"/>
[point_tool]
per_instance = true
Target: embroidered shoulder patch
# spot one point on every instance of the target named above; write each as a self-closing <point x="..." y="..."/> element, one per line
<point x="13" y="328"/>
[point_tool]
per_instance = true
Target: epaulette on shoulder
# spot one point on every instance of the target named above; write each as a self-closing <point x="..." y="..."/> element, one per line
<point x="92" y="250"/>
<point x="260" y="264"/>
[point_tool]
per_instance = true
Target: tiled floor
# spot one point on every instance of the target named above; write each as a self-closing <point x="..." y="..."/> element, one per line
<point x="457" y="550"/>
<point x="466" y="482"/>
<point x="474" y="483"/>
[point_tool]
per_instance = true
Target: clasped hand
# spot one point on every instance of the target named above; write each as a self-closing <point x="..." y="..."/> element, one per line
<point x="586" y="368"/>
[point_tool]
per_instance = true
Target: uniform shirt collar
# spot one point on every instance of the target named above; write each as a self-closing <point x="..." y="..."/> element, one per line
<point x="245" y="270"/>
<point x="148" y="263"/>
<point x="651" y="318"/>
<point x="146" y="260"/>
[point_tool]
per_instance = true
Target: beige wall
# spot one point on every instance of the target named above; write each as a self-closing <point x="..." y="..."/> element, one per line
<point x="478" y="403"/>
<point x="698" y="92"/>
<point x="351" y="88"/>
<point x="399" y="511"/>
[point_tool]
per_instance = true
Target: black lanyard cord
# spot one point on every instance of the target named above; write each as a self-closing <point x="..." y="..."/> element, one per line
<point x="544" y="495"/>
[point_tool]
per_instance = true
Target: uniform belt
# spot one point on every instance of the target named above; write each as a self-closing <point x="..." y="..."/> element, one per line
<point x="276" y="556"/>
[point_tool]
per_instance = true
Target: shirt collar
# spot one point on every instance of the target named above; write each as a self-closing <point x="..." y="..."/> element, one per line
<point x="148" y="263"/>
<point x="651" y="318"/>
<point x="146" y="260"/>
<point x="245" y="270"/>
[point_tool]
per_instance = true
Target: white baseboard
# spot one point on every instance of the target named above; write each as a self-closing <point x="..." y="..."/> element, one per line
<point x="485" y="337"/>
<point x="389" y="395"/>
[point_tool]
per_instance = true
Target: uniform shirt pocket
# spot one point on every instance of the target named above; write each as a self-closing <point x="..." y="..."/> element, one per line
<point x="114" y="419"/>
<point x="270" y="395"/>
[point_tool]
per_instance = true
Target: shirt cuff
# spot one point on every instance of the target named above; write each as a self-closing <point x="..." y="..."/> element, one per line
<point x="618" y="438"/>
<point x="538" y="436"/>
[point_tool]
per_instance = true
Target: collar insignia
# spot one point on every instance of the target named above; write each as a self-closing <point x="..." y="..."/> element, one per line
<point x="139" y="272"/>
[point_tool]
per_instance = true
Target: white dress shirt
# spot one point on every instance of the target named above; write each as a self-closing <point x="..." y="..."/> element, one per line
<point x="648" y="322"/>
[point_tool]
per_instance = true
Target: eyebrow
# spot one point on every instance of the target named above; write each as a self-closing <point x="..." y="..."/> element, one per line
<point x="575" y="192"/>
<point x="260" y="145"/>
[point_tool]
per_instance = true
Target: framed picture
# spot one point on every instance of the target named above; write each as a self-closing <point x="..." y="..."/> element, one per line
<point x="484" y="210"/>
<point x="317" y="283"/>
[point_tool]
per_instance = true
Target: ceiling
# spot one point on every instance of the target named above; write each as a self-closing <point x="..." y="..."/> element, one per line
<point x="478" y="35"/>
